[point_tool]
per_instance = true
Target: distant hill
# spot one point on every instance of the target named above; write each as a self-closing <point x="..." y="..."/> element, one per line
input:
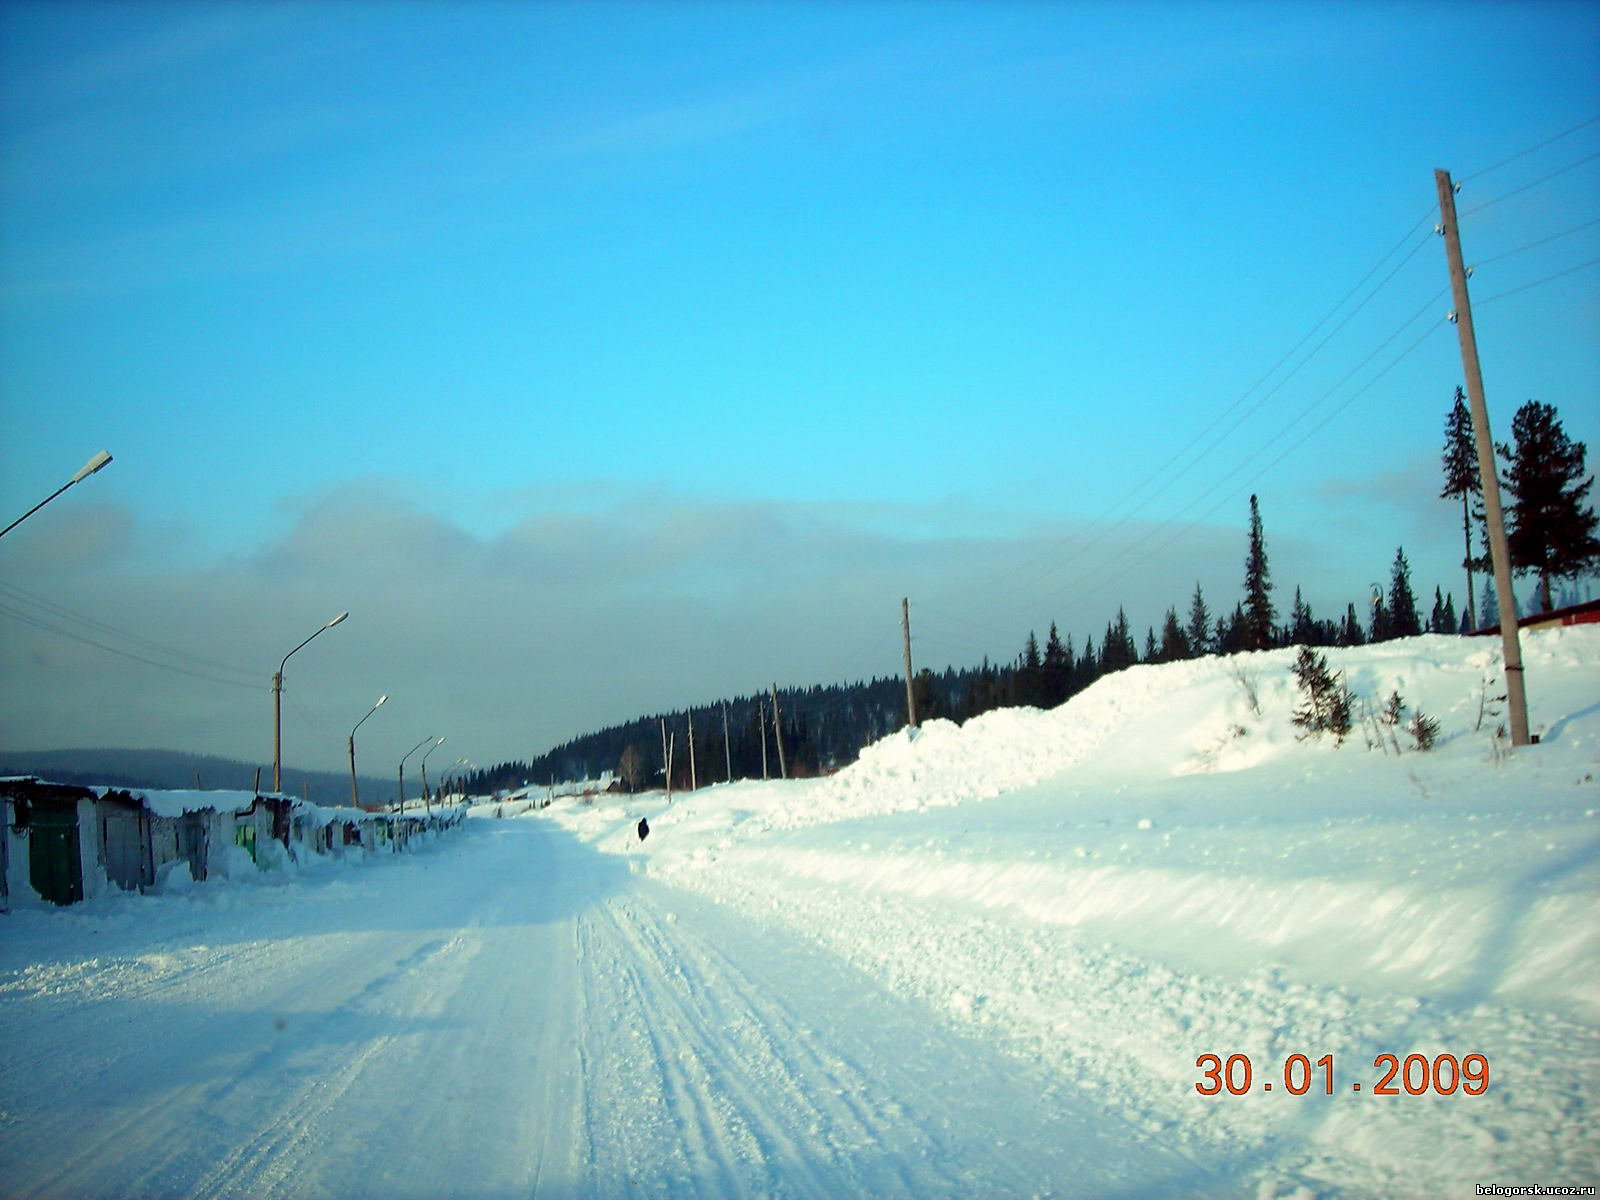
<point x="174" y="769"/>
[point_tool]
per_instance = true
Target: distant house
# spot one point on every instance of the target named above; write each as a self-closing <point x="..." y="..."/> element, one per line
<point x="63" y="843"/>
<point x="1587" y="613"/>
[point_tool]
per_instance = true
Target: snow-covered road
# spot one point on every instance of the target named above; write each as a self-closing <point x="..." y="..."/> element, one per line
<point x="510" y="1013"/>
<point x="982" y="961"/>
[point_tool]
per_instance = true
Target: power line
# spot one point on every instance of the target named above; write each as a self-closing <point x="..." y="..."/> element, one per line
<point x="1259" y="450"/>
<point x="71" y="636"/>
<point x="1098" y="538"/>
<point x="22" y="596"/>
<point x="1543" y="179"/>
<point x="1539" y="282"/>
<point x="1057" y="566"/>
<point x="1288" y="450"/>
<point x="1524" y="153"/>
<point x="1554" y="237"/>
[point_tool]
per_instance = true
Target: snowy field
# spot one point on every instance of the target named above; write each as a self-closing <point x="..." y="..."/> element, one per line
<point x="981" y="962"/>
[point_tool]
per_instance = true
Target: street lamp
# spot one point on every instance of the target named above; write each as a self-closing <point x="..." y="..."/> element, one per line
<point x="277" y="706"/>
<point x="403" y="758"/>
<point x="456" y="774"/>
<point x="427" y="806"/>
<point x="355" y="798"/>
<point x="88" y="469"/>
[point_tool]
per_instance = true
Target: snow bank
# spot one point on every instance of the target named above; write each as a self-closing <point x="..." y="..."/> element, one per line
<point x="1162" y="868"/>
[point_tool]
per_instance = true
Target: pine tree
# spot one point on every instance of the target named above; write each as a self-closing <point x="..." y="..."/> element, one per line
<point x="1174" y="642"/>
<point x="1550" y="526"/>
<point x="1055" y="671"/>
<point x="1302" y="628"/>
<point x="1382" y="627"/>
<point x="1461" y="479"/>
<point x="1326" y="704"/>
<point x="1118" y="649"/>
<point x="1350" y="632"/>
<point x="1199" y="624"/>
<point x="1403" y="620"/>
<point x="1259" y="613"/>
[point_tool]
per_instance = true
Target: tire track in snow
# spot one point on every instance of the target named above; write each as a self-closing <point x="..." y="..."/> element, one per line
<point x="728" y="1059"/>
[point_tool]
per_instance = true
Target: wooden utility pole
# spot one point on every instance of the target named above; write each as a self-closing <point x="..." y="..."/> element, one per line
<point x="694" y="779"/>
<point x="1494" y="516"/>
<point x="666" y="763"/>
<point x="761" y="719"/>
<point x="905" y="636"/>
<point x="727" y="744"/>
<point x="777" y="734"/>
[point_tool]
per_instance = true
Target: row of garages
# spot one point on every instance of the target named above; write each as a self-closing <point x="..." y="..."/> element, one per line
<point x="63" y="843"/>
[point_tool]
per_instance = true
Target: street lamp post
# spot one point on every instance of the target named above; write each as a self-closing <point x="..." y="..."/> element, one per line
<point x="403" y="758"/>
<point x="456" y="773"/>
<point x="88" y="469"/>
<point x="277" y="705"/>
<point x="426" y="804"/>
<point x="355" y="797"/>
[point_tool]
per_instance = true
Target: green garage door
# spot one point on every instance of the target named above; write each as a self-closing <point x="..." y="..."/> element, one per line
<point x="54" y="867"/>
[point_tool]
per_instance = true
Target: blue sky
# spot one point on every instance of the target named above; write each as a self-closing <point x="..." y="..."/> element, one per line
<point x="618" y="357"/>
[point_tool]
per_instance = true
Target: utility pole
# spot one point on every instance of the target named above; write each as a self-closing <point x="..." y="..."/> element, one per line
<point x="694" y="778"/>
<point x="761" y="718"/>
<point x="727" y="744"/>
<point x="777" y="734"/>
<point x="1494" y="517"/>
<point x="905" y="635"/>
<point x="666" y="760"/>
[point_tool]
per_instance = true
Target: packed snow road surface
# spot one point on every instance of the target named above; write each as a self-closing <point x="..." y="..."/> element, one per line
<point x="510" y="1013"/>
<point x="981" y="961"/>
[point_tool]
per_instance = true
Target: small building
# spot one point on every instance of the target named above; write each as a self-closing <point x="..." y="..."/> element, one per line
<point x="62" y="843"/>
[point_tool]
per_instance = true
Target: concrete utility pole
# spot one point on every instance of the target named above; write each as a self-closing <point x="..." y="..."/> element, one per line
<point x="1494" y="517"/>
<point x="905" y="634"/>
<point x="777" y="734"/>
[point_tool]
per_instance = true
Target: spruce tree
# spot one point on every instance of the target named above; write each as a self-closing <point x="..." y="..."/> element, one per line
<point x="1403" y="620"/>
<point x="1199" y="624"/>
<point x="1056" y="670"/>
<point x="1302" y="628"/>
<point x="1550" y="526"/>
<point x="1259" y="613"/>
<point x="1174" y="642"/>
<point x="1350" y="632"/>
<point x="1461" y="478"/>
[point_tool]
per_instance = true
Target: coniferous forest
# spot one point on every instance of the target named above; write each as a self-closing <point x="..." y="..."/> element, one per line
<point x="1552" y="536"/>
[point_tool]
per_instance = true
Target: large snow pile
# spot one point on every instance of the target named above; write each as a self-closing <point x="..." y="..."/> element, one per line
<point x="1162" y="869"/>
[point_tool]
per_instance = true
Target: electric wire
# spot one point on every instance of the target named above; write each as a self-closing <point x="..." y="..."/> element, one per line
<point x="23" y="596"/>
<point x="1054" y="567"/>
<point x="1538" y="282"/>
<point x="1288" y="450"/>
<point x="1098" y="582"/>
<point x="39" y="623"/>
<point x="1554" y="237"/>
<point x="1572" y="166"/>
<point x="1099" y="538"/>
<point x="1524" y="153"/>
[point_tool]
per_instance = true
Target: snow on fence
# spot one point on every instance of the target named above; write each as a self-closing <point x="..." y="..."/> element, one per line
<point x="63" y="843"/>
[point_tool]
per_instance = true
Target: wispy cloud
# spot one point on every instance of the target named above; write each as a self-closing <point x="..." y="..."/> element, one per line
<point x="566" y="621"/>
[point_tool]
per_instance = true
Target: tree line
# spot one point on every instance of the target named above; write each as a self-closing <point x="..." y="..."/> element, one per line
<point x="1551" y="531"/>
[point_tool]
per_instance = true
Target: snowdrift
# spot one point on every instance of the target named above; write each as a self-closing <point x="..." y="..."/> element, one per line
<point x="1162" y="868"/>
